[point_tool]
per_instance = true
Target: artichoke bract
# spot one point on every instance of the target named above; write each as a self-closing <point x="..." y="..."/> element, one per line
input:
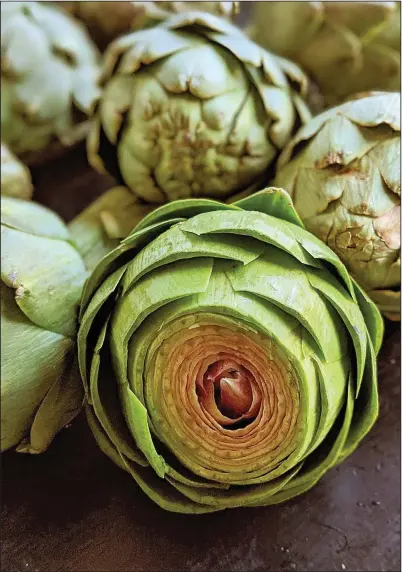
<point x="346" y="47"/>
<point x="15" y="176"/>
<point x="228" y="359"/>
<point x="42" y="276"/>
<point x="108" y="20"/>
<point x="192" y="107"/>
<point x="342" y="171"/>
<point x="49" y="70"/>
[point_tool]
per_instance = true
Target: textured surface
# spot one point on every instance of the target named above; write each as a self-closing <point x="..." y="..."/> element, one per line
<point x="71" y="509"/>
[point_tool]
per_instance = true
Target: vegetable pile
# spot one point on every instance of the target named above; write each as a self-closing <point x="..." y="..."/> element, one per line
<point x="217" y="314"/>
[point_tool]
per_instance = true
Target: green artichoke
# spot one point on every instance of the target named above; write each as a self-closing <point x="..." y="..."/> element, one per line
<point x="108" y="20"/>
<point x="42" y="276"/>
<point x="192" y="107"/>
<point x="342" y="171"/>
<point x="15" y="176"/>
<point x="228" y="358"/>
<point x="43" y="268"/>
<point x="49" y="70"/>
<point x="346" y="47"/>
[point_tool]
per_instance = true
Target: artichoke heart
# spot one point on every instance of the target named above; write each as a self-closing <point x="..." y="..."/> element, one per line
<point x="228" y="358"/>
<point x="191" y="107"/>
<point x="343" y="172"/>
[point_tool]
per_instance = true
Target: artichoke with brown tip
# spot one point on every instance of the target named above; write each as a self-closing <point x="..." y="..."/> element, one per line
<point x="343" y="172"/>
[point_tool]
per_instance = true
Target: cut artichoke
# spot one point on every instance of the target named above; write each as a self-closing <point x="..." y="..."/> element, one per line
<point x="228" y="358"/>
<point x="342" y="171"/>
<point x="15" y="176"/>
<point x="346" y="47"/>
<point x="49" y="70"/>
<point x="192" y="107"/>
<point x="108" y="20"/>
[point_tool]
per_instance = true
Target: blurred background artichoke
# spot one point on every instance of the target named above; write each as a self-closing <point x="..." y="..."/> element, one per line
<point x="108" y="20"/>
<point x="49" y="70"/>
<point x="346" y="47"/>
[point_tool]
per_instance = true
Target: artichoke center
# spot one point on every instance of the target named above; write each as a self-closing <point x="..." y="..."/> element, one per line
<point x="232" y="387"/>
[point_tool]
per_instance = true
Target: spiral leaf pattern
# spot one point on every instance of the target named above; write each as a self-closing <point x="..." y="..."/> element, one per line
<point x="228" y="358"/>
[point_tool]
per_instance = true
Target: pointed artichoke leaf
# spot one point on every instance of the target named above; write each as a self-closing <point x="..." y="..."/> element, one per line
<point x="107" y="291"/>
<point x="113" y="260"/>
<point x="26" y="376"/>
<point x="185" y="208"/>
<point x="58" y="278"/>
<point x="272" y="201"/>
<point x="60" y="406"/>
<point x="105" y="401"/>
<point x="366" y="406"/>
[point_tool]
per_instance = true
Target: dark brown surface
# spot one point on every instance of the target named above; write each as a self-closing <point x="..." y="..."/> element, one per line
<point x="71" y="509"/>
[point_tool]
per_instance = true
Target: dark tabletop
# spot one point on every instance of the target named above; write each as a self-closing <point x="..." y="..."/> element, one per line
<point x="72" y="509"/>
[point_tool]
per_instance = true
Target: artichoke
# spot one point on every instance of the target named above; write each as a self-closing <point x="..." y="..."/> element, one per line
<point x="43" y="268"/>
<point x="228" y="358"/>
<point x="346" y="47"/>
<point x="15" y="176"/>
<point x="42" y="276"/>
<point x="49" y="70"/>
<point x="108" y="20"/>
<point x="342" y="171"/>
<point x="192" y="107"/>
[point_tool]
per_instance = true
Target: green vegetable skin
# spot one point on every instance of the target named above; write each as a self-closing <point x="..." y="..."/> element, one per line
<point x="346" y="47"/>
<point x="192" y="107"/>
<point x="46" y="90"/>
<point x="342" y="171"/>
<point x="228" y="358"/>
<point x="42" y="276"/>
<point x="15" y="176"/>
<point x="43" y="269"/>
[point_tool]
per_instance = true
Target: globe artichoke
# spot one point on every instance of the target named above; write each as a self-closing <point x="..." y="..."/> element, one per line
<point x="43" y="268"/>
<point x="42" y="276"/>
<point x="228" y="358"/>
<point x="346" y="47"/>
<point x="15" y="176"/>
<point x="108" y="20"/>
<point x="192" y="108"/>
<point x="49" y="69"/>
<point x="343" y="172"/>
